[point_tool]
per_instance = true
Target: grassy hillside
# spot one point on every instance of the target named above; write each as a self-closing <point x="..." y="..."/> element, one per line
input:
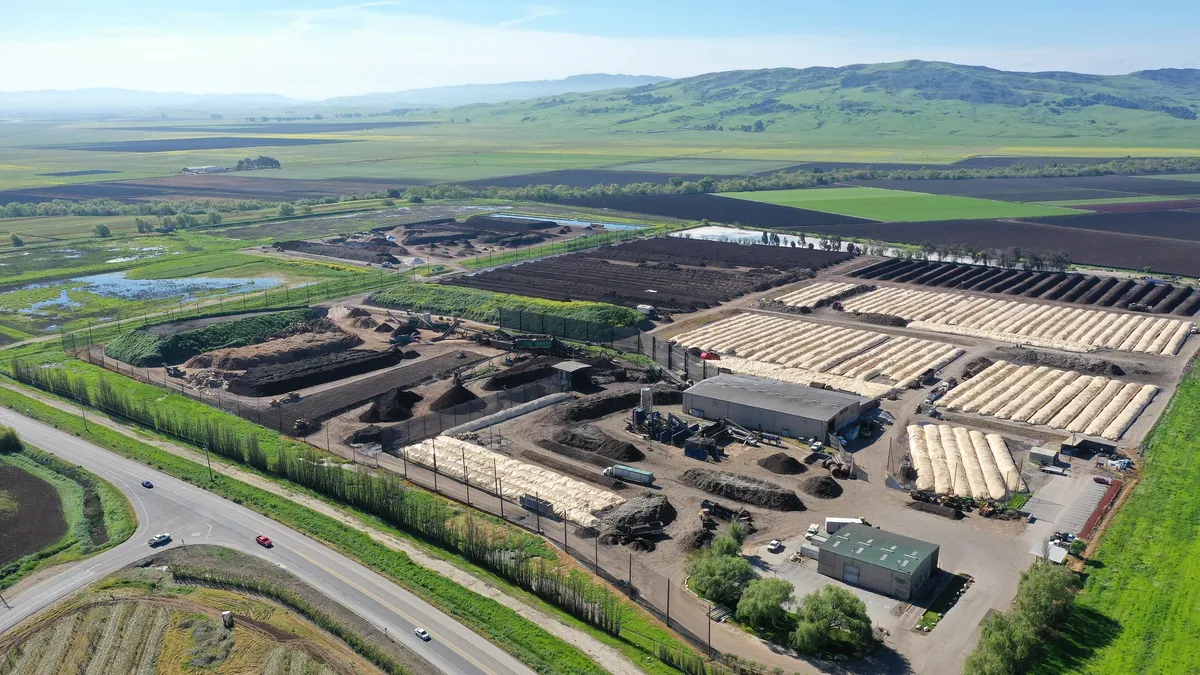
<point x="888" y="101"/>
<point x="898" y="205"/>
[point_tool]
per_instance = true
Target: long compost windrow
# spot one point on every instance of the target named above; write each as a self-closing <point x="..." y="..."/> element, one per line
<point x="1062" y="399"/>
<point x="865" y="362"/>
<point x="962" y="462"/>
<point x="1057" y="327"/>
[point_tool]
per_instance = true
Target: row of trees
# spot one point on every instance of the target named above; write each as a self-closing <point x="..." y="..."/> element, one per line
<point x="260" y="162"/>
<point x="376" y="494"/>
<point x="804" y="179"/>
<point x="1013" y="258"/>
<point x="830" y="619"/>
<point x="110" y="207"/>
<point x="1011" y="641"/>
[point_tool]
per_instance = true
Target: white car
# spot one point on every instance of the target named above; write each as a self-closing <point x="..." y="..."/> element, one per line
<point x="775" y="546"/>
<point x="159" y="539"/>
<point x="813" y="529"/>
<point x="423" y="634"/>
<point x="816" y="446"/>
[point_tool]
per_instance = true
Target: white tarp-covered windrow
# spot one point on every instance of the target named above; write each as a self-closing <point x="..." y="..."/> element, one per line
<point x="805" y="352"/>
<point x="920" y="457"/>
<point x="808" y="295"/>
<point x="962" y="462"/>
<point x="1066" y="328"/>
<point x="1062" y="399"/>
<point x="572" y="499"/>
<point x="937" y="457"/>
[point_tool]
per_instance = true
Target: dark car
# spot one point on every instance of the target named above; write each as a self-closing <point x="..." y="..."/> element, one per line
<point x="147" y="484"/>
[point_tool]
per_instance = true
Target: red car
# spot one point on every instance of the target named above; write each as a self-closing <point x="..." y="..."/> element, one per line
<point x="264" y="540"/>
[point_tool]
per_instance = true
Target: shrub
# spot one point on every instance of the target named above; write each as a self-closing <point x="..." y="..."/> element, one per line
<point x="9" y="440"/>
<point x="832" y="619"/>
<point x="762" y="603"/>
<point x="720" y="578"/>
<point x="485" y="306"/>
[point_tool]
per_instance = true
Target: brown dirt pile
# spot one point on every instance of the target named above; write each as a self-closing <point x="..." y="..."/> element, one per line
<point x="782" y="463"/>
<point x="695" y="540"/>
<point x="593" y="439"/>
<point x="366" y="322"/>
<point x="743" y="489"/>
<point x="595" y="407"/>
<point x="456" y="395"/>
<point x="821" y="487"/>
<point x="368" y="434"/>
<point x="393" y="406"/>
<point x="648" y="507"/>
<point x="285" y="350"/>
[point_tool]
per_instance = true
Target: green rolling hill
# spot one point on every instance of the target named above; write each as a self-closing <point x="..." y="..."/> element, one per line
<point x="895" y="103"/>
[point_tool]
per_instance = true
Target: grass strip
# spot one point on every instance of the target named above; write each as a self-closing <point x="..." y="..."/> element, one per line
<point x="1138" y="610"/>
<point x="517" y="635"/>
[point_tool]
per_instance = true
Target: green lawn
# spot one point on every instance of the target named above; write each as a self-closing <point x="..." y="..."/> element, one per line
<point x="1139" y="611"/>
<point x="898" y="205"/>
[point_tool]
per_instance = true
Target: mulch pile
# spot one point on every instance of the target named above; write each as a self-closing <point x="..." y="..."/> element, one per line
<point x="743" y="489"/>
<point x="456" y="395"/>
<point x="364" y="322"/>
<point x="937" y="510"/>
<point x="822" y="487"/>
<point x="976" y="366"/>
<point x="648" y="507"/>
<point x="595" y="407"/>
<point x="593" y="439"/>
<point x="782" y="463"/>
<point x="384" y="327"/>
<point x="394" y="406"/>
<point x="695" y="539"/>
<point x="370" y="434"/>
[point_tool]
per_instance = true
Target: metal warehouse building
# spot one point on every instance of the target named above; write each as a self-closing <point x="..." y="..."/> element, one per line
<point x="774" y="407"/>
<point x="878" y="561"/>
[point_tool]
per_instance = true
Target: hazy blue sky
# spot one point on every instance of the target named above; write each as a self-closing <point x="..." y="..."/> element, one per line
<point x="321" y="48"/>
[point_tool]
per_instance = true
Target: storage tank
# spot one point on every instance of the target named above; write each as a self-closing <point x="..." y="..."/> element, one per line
<point x="647" y="402"/>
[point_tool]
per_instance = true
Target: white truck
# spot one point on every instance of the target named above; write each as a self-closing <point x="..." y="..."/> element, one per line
<point x="834" y="524"/>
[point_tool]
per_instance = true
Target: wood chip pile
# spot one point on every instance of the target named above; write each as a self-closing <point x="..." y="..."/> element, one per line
<point x="962" y="462"/>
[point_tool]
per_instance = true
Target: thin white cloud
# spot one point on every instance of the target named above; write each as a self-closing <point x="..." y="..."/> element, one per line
<point x="306" y="19"/>
<point x="534" y="13"/>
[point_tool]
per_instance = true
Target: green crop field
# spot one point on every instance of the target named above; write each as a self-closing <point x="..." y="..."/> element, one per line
<point x="898" y="205"/>
<point x="1139" y="611"/>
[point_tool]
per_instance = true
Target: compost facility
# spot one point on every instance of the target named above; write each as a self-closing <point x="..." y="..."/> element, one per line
<point x="774" y="407"/>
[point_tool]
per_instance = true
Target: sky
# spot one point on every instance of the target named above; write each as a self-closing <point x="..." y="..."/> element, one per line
<point x="315" y="49"/>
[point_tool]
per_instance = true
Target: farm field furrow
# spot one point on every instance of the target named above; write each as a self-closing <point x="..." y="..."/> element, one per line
<point x="1060" y="399"/>
<point x="860" y="361"/>
<point x="1094" y="247"/>
<point x="1066" y="328"/>
<point x="1162" y="223"/>
<point x="648" y="272"/>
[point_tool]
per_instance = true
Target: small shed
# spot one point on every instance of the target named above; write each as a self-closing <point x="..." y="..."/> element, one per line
<point x="573" y="374"/>
<point x="1043" y="454"/>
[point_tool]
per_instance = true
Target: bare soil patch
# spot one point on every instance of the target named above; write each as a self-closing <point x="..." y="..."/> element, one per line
<point x="32" y="518"/>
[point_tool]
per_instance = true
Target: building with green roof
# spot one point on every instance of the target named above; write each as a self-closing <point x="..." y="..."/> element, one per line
<point x="879" y="561"/>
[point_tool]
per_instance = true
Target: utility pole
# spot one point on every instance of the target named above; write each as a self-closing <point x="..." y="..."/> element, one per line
<point x="6" y="606"/>
<point x="208" y="460"/>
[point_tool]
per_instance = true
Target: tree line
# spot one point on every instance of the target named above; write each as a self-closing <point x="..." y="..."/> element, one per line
<point x="1012" y="258"/>
<point x="1012" y="641"/>
<point x="804" y="179"/>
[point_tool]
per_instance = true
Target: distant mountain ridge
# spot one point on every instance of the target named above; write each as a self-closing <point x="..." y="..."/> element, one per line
<point x="466" y="94"/>
<point x="110" y="100"/>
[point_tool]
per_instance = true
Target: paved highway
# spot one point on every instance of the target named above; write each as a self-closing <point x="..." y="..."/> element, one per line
<point x="195" y="516"/>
